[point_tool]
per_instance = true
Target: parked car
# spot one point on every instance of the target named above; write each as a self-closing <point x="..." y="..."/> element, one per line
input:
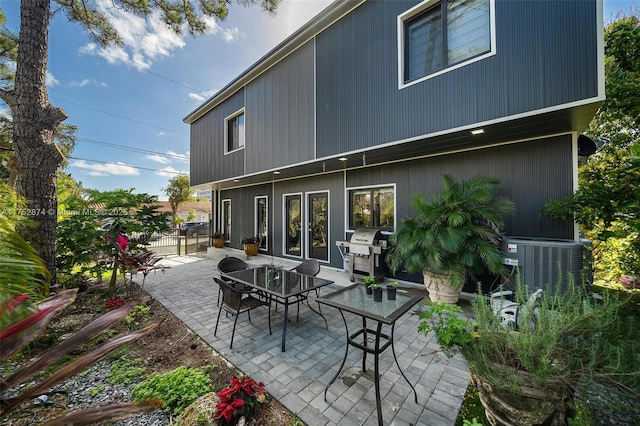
<point x="193" y="229"/>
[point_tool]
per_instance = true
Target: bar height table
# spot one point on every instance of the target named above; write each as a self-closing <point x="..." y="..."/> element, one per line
<point x="353" y="299"/>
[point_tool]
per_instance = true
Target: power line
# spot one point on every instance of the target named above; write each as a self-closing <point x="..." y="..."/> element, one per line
<point x="118" y="59"/>
<point x="127" y="165"/>
<point x="128" y="148"/>
<point x="118" y="116"/>
<point x="173" y="81"/>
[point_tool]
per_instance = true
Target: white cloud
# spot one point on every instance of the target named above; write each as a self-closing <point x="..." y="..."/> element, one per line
<point x="203" y="96"/>
<point x="161" y="133"/>
<point x="158" y="159"/>
<point x="183" y="158"/>
<point x="51" y="80"/>
<point x="146" y="39"/>
<point x="115" y="169"/>
<point x="170" y="172"/>
<point x="228" y="34"/>
<point x="80" y="83"/>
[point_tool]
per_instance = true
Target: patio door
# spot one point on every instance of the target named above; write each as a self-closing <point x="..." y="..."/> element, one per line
<point x="225" y="219"/>
<point x="318" y="221"/>
<point x="293" y="221"/>
<point x="262" y="221"/>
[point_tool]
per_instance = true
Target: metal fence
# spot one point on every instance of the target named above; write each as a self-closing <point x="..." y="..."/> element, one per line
<point x="172" y="242"/>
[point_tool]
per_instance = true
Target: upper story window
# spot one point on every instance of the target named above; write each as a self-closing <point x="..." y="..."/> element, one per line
<point x="372" y="208"/>
<point x="440" y="35"/>
<point x="234" y="131"/>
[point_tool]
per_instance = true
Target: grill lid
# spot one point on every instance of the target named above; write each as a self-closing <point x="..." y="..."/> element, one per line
<point x="365" y="236"/>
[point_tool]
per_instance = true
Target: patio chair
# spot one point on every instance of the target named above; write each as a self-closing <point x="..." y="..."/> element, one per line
<point x="236" y="301"/>
<point x="230" y="264"/>
<point x="307" y="267"/>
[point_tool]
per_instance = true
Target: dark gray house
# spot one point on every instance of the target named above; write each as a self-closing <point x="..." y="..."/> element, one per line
<point x="373" y="101"/>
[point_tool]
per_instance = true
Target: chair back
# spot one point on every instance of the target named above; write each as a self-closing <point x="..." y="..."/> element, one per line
<point x="230" y="264"/>
<point x="231" y="298"/>
<point x="308" y="267"/>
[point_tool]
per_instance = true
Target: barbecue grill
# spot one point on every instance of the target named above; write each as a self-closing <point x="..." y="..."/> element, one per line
<point x="365" y="248"/>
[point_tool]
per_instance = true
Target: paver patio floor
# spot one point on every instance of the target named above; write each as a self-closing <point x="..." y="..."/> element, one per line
<point x="298" y="377"/>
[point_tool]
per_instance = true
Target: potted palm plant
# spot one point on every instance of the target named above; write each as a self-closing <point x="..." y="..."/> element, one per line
<point x="454" y="234"/>
<point x="251" y="246"/>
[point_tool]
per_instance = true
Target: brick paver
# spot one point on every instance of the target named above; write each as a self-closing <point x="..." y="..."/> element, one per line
<point x="297" y="377"/>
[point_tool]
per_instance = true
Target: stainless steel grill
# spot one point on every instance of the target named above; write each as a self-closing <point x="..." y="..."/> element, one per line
<point x="364" y="249"/>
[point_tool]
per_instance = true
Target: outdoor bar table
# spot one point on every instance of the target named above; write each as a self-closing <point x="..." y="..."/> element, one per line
<point x="280" y="284"/>
<point x="353" y="299"/>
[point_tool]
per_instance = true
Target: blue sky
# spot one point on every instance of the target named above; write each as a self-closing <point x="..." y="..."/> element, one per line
<point x="129" y="103"/>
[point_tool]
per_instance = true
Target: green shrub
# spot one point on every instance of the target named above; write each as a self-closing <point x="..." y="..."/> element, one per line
<point x="125" y="371"/>
<point x="177" y="389"/>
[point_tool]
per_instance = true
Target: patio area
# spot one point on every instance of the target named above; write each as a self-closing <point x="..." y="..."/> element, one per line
<point x="298" y="377"/>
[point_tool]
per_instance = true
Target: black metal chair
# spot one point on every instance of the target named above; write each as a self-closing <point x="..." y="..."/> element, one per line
<point x="236" y="301"/>
<point x="230" y="264"/>
<point x="307" y="267"/>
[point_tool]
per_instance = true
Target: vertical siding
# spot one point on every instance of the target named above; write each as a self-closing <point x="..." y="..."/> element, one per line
<point x="243" y="210"/>
<point x="546" y="56"/>
<point x="280" y="113"/>
<point x="530" y="174"/>
<point x="242" y="206"/>
<point x="208" y="162"/>
<point x="333" y="183"/>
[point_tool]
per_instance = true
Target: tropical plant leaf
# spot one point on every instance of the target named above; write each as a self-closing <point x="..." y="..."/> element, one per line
<point x="55" y="353"/>
<point x="77" y="365"/>
<point x="17" y="335"/>
<point x="94" y="415"/>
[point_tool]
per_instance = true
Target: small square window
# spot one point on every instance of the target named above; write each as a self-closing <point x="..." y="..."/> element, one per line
<point x="235" y="132"/>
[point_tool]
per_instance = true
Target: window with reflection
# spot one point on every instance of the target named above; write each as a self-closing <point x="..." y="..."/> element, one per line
<point x="444" y="34"/>
<point x="293" y="225"/>
<point x="226" y="219"/>
<point x="262" y="220"/>
<point x="235" y="132"/>
<point x="372" y="208"/>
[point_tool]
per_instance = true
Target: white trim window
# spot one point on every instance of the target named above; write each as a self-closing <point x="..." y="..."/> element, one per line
<point x="438" y="36"/>
<point x="372" y="207"/>
<point x="234" y="132"/>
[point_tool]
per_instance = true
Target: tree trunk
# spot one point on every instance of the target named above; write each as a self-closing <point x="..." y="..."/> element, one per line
<point x="36" y="156"/>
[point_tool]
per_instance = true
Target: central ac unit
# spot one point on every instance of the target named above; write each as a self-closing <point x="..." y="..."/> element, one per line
<point x="545" y="264"/>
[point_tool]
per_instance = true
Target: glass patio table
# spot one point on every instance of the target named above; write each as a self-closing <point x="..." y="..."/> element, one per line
<point x="281" y="284"/>
<point x="353" y="299"/>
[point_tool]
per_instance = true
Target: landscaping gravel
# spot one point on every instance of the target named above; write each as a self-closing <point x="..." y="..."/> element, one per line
<point x="90" y="389"/>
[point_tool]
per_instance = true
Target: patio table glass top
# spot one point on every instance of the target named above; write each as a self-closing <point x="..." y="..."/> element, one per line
<point x="278" y="282"/>
<point x="354" y="299"/>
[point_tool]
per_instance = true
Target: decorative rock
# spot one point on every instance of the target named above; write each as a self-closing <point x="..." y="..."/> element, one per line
<point x="202" y="411"/>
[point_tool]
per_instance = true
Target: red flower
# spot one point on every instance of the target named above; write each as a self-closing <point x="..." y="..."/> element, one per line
<point x="224" y="410"/>
<point x="242" y="397"/>
<point x="114" y="302"/>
